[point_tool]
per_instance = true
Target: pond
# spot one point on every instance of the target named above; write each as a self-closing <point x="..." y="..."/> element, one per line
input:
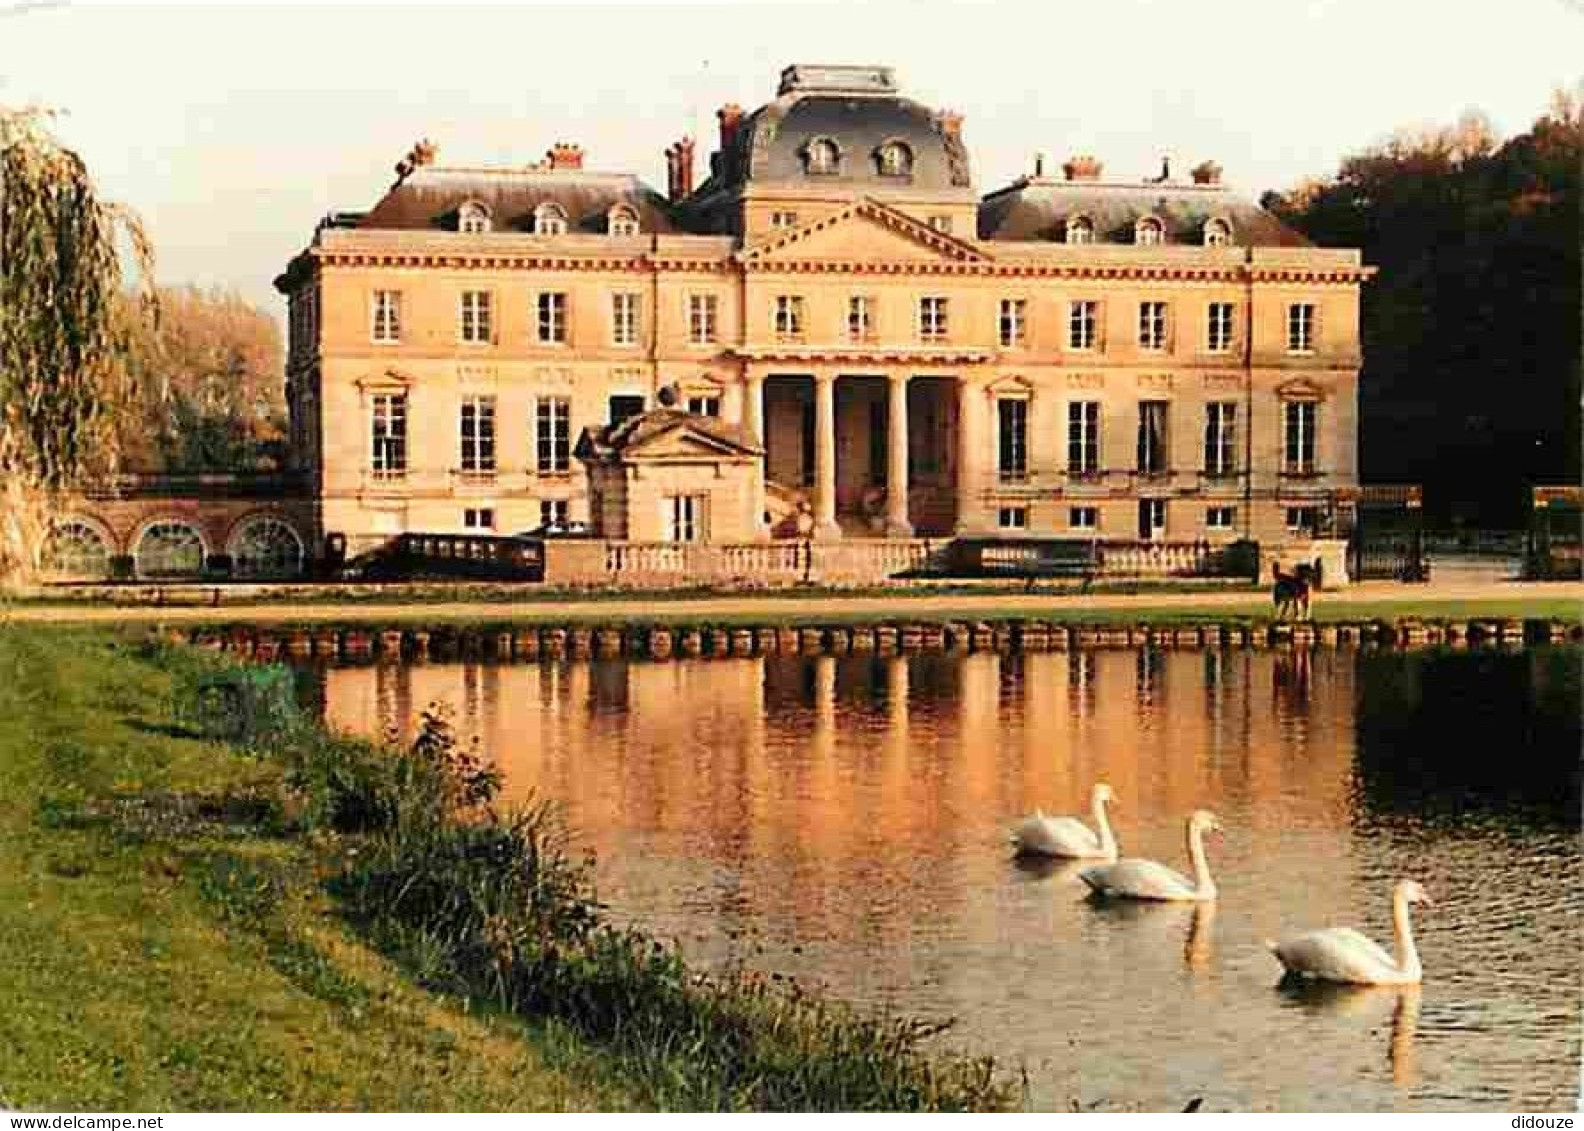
<point x="845" y="819"/>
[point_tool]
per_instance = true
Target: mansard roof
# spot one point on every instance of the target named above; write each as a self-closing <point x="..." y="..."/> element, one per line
<point x="1038" y="209"/>
<point x="429" y="198"/>
<point x="858" y="110"/>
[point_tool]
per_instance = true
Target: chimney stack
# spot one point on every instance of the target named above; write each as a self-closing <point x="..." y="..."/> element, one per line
<point x="1207" y="173"/>
<point x="679" y="169"/>
<point x="730" y="116"/>
<point x="561" y="155"/>
<point x="1082" y="168"/>
<point x="1039" y="165"/>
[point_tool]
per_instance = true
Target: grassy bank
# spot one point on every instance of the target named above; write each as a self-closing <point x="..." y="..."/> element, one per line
<point x="187" y="926"/>
<point x="796" y="608"/>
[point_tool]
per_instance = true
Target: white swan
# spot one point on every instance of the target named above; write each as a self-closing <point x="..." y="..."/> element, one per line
<point x="1145" y="879"/>
<point x="1068" y="837"/>
<point x="1341" y="954"/>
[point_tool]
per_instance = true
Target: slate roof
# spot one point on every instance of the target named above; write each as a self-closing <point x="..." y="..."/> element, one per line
<point x="1038" y="209"/>
<point x="428" y="199"/>
<point x="637" y="431"/>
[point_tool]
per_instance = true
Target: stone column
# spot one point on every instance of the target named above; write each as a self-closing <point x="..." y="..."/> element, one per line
<point x="751" y="414"/>
<point x="897" y="524"/>
<point x="971" y="451"/>
<point x="753" y="405"/>
<point x="825" y="526"/>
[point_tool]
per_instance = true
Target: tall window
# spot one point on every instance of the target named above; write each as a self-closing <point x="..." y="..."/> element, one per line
<point x="1218" y="327"/>
<point x="624" y="318"/>
<point x="1217" y="233"/>
<point x="1083" y="518"/>
<point x="554" y="514"/>
<point x="388" y="431"/>
<point x="624" y="406"/>
<point x="932" y="318"/>
<point x="860" y="318"/>
<point x="783" y="219"/>
<point x="478" y="518"/>
<point x="941" y="223"/>
<point x="553" y="435"/>
<point x="685" y="518"/>
<point x="1220" y="518"/>
<point x="704" y="404"/>
<point x="1083" y="437"/>
<point x="1014" y="325"/>
<point x="1300" y="327"/>
<point x="1012" y="518"/>
<point x="478" y="435"/>
<point x="789" y="317"/>
<point x="1152" y="437"/>
<point x="1080" y="229"/>
<point x="1149" y="230"/>
<point x="1082" y="315"/>
<point x="1152" y="519"/>
<point x="473" y="218"/>
<point x="1220" y="438"/>
<point x="476" y="316"/>
<point x="553" y="317"/>
<point x="1012" y="457"/>
<point x="702" y="310"/>
<point x="387" y="316"/>
<point x="1298" y="447"/>
<point x="1152" y="326"/>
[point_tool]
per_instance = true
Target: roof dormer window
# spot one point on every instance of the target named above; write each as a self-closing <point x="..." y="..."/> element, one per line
<point x="1080" y="229"/>
<point x="821" y="157"/>
<point x="621" y="221"/>
<point x="1217" y="232"/>
<point x="894" y="159"/>
<point x="550" y="219"/>
<point x="473" y="218"/>
<point x="1149" y="231"/>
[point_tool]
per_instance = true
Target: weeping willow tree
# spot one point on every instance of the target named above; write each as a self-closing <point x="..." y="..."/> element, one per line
<point x="64" y="326"/>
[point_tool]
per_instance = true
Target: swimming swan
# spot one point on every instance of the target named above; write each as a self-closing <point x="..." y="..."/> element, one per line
<point x="1341" y="954"/>
<point x="1068" y="837"/>
<point x="1145" y="879"/>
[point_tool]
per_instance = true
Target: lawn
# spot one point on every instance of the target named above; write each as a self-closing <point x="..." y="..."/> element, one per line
<point x="140" y="972"/>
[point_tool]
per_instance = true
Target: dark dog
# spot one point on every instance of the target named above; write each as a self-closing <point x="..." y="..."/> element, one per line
<point x="1290" y="594"/>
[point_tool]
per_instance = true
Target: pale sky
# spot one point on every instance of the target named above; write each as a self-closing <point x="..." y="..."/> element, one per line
<point x="233" y="128"/>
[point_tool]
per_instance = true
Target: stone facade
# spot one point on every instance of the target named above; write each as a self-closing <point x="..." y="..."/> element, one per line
<point x="1147" y="359"/>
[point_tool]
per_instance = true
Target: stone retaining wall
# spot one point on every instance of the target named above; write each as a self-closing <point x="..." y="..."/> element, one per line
<point x="661" y="642"/>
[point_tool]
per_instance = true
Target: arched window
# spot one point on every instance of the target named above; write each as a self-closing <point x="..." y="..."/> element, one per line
<point x="621" y="221"/>
<point x="77" y="549"/>
<point x="264" y="546"/>
<point x="894" y="159"/>
<point x="169" y="548"/>
<point x="550" y="219"/>
<point x="1217" y="233"/>
<point x="473" y="217"/>
<point x="1149" y="230"/>
<point x="822" y="157"/>
<point x="1080" y="229"/>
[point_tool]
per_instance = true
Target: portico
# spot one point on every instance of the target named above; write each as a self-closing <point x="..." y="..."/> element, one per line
<point x="871" y="453"/>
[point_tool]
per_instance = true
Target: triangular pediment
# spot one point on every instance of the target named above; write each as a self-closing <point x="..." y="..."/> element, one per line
<point x="866" y="231"/>
<point x="681" y="443"/>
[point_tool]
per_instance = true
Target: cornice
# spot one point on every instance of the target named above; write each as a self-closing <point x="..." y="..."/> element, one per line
<point x="842" y="352"/>
<point x="649" y="264"/>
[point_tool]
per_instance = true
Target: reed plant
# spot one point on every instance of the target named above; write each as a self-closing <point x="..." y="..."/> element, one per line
<point x="490" y="904"/>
